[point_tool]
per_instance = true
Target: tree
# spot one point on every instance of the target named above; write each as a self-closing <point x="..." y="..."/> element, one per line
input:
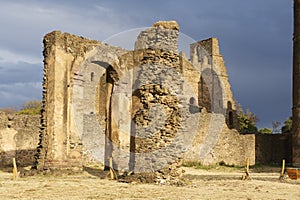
<point x="287" y="127"/>
<point x="265" y="131"/>
<point x="31" y="107"/>
<point x="247" y="120"/>
<point x="276" y="126"/>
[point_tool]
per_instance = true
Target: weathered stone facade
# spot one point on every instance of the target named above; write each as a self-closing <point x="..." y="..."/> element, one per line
<point x="296" y="83"/>
<point x="273" y="148"/>
<point x="147" y="109"/>
<point x="19" y="136"/>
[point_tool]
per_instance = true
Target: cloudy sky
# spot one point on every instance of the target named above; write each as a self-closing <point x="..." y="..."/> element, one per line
<point x="255" y="38"/>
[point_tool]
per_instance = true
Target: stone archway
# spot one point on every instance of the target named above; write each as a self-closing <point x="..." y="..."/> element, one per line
<point x="105" y="104"/>
<point x="211" y="91"/>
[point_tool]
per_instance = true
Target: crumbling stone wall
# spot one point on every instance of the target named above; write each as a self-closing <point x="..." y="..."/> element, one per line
<point x="163" y="108"/>
<point x="19" y="135"/>
<point x="69" y="118"/>
<point x="147" y="108"/>
<point x="217" y="139"/>
<point x="216" y="143"/>
<point x="58" y="145"/>
<point x="273" y="148"/>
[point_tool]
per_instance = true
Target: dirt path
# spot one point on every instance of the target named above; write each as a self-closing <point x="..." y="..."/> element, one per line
<point x="204" y="185"/>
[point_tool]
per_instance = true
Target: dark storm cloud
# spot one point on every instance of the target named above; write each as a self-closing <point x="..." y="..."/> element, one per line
<point x="13" y="95"/>
<point x="20" y="82"/>
<point x="255" y="39"/>
<point x="20" y="72"/>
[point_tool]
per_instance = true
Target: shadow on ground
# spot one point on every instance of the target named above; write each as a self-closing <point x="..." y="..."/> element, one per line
<point x="98" y="172"/>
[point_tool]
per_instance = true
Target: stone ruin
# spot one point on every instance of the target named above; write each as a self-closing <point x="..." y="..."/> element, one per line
<point x="18" y="139"/>
<point x="149" y="109"/>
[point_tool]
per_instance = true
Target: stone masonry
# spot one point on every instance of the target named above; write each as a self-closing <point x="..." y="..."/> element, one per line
<point x="19" y="136"/>
<point x="147" y="109"/>
<point x="296" y="83"/>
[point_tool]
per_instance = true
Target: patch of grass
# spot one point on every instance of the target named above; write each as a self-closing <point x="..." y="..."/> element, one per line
<point x="198" y="165"/>
<point x="30" y="111"/>
<point x="218" y="166"/>
<point x="191" y="164"/>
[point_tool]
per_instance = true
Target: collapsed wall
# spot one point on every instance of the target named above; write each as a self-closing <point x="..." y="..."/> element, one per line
<point x="18" y="139"/>
<point x="146" y="109"/>
<point x="161" y="121"/>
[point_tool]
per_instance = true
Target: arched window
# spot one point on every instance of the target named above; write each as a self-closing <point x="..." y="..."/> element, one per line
<point x="229" y="105"/>
<point x="230" y="119"/>
<point x="192" y="101"/>
<point x="92" y="76"/>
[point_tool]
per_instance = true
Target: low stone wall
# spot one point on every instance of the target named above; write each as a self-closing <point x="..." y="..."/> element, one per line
<point x="273" y="148"/>
<point x="19" y="136"/>
<point x="215" y="143"/>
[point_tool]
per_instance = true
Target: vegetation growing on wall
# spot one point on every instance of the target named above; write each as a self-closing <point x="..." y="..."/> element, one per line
<point x="247" y="120"/>
<point x="265" y="131"/>
<point x="31" y="108"/>
<point x="287" y="125"/>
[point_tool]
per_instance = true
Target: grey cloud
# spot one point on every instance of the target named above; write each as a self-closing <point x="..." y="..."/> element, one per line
<point x="15" y="94"/>
<point x="255" y="38"/>
<point x="21" y="72"/>
<point x="23" y="33"/>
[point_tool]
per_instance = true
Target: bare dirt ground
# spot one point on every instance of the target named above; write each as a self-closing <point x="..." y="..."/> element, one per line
<point x="222" y="183"/>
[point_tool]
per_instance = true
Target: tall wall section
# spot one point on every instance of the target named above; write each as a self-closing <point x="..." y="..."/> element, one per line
<point x="79" y="77"/>
<point x="273" y="148"/>
<point x="217" y="139"/>
<point x="296" y="83"/>
<point x="161" y="120"/>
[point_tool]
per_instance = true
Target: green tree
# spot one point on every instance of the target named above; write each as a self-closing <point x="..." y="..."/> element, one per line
<point x="265" y="131"/>
<point x="31" y="107"/>
<point x="247" y="120"/>
<point x="287" y="127"/>
<point x="276" y="126"/>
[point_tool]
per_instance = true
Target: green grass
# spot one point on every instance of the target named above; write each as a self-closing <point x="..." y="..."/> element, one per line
<point x="217" y="166"/>
<point x="31" y="111"/>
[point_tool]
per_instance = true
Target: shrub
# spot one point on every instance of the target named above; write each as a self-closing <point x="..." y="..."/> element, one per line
<point x="31" y="108"/>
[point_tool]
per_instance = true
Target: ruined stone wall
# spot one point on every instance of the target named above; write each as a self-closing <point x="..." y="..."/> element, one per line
<point x="273" y="148"/>
<point x="214" y="87"/>
<point x="214" y="142"/>
<point x="214" y="92"/>
<point x="217" y="139"/>
<point x="144" y="108"/>
<point x="19" y="136"/>
<point x="162" y="35"/>
<point x="296" y="82"/>
<point x="75" y="100"/>
<point x="63" y="55"/>
<point x="161" y="112"/>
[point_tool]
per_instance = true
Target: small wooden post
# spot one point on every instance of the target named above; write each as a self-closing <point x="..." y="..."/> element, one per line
<point x="247" y="173"/>
<point x="282" y="170"/>
<point x="247" y="164"/>
<point x="111" y="168"/>
<point x="15" y="170"/>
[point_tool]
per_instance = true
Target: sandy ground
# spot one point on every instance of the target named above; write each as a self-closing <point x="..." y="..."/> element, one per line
<point x="204" y="184"/>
